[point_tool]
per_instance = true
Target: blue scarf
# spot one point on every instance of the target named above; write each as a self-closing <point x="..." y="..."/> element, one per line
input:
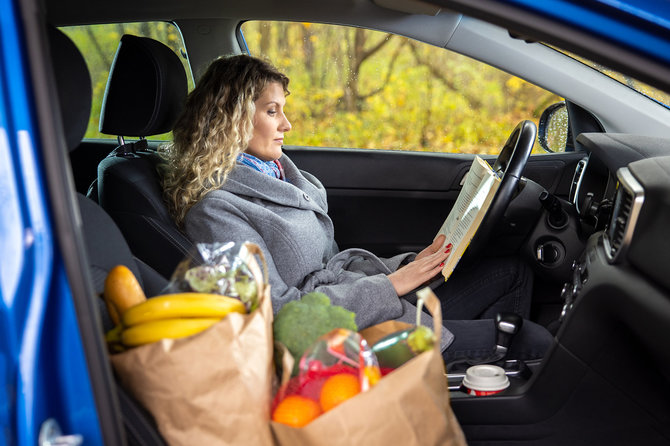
<point x="271" y="168"/>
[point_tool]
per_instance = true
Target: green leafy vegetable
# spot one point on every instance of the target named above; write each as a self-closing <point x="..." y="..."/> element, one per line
<point x="300" y="323"/>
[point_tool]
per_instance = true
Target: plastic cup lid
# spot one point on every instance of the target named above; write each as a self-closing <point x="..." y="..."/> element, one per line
<point x="485" y="377"/>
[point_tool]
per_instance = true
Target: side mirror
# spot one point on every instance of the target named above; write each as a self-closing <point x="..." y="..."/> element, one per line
<point x="553" y="130"/>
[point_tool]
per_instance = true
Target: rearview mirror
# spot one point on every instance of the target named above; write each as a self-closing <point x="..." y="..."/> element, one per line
<point x="553" y="129"/>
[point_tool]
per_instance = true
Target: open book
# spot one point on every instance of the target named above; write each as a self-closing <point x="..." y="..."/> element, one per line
<point x="479" y="186"/>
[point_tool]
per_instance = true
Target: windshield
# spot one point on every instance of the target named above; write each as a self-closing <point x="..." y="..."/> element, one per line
<point x="642" y="88"/>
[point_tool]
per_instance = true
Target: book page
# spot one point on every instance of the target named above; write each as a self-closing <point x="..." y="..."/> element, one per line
<point x="471" y="184"/>
<point x="475" y="197"/>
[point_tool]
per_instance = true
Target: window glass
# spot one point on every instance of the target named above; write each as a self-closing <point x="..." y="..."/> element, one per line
<point x="352" y="87"/>
<point x="653" y="93"/>
<point x="98" y="44"/>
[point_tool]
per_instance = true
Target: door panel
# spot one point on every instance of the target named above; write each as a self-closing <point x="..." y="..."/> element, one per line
<point x="391" y="202"/>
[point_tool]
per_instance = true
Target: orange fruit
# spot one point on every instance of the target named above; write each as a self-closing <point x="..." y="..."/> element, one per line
<point x="337" y="389"/>
<point x="296" y="411"/>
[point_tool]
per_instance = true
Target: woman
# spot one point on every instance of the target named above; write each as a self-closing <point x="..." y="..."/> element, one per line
<point x="226" y="179"/>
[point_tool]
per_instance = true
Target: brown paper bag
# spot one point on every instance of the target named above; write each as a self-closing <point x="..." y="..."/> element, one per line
<point x="410" y="406"/>
<point x="213" y="388"/>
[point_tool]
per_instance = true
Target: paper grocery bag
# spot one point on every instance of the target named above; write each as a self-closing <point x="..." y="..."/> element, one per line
<point x="410" y="406"/>
<point x="213" y="388"/>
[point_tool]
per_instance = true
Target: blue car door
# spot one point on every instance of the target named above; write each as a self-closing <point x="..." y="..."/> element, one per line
<point x="45" y="391"/>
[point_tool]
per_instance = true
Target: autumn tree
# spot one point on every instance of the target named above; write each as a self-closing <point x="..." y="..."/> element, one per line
<point x="359" y="51"/>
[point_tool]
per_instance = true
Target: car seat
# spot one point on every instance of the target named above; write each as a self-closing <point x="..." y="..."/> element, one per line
<point x="105" y="246"/>
<point x="145" y="93"/>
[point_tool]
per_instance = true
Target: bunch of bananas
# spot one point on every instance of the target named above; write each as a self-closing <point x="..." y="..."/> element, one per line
<point x="141" y="321"/>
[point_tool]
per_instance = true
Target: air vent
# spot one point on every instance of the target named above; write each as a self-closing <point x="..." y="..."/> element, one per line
<point x="619" y="223"/>
<point x="627" y="204"/>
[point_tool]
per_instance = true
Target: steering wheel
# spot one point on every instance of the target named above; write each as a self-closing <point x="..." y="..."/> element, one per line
<point x="509" y="166"/>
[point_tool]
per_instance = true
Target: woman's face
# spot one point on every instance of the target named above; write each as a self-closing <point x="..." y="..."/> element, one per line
<point x="270" y="124"/>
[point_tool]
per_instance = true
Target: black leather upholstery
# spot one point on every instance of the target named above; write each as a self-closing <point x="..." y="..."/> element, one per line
<point x="129" y="190"/>
<point x="145" y="93"/>
<point x="73" y="82"/>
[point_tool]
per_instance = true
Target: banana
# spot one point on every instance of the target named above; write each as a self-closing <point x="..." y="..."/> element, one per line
<point x="182" y="305"/>
<point x="113" y="339"/>
<point x="154" y="331"/>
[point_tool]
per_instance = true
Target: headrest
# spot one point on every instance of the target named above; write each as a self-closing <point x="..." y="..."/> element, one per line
<point x="73" y="83"/>
<point x="146" y="89"/>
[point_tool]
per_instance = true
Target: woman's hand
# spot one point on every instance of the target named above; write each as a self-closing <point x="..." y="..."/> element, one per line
<point x="432" y="248"/>
<point x="427" y="264"/>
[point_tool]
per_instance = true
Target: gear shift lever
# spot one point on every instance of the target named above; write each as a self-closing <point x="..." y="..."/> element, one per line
<point x="507" y="325"/>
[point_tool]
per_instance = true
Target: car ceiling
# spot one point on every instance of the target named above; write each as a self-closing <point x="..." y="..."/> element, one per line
<point x="71" y="12"/>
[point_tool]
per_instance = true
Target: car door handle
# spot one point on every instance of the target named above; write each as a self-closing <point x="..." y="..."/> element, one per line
<point x="51" y="435"/>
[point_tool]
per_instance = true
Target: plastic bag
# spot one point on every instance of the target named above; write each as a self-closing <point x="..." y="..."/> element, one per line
<point x="338" y="366"/>
<point x="219" y="268"/>
<point x="339" y="351"/>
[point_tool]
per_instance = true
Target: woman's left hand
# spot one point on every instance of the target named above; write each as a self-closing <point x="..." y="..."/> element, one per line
<point x="427" y="264"/>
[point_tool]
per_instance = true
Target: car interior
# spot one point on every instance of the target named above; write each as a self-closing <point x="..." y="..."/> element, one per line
<point x="590" y="219"/>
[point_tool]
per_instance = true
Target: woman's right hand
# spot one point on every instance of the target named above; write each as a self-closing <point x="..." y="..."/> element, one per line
<point x="425" y="267"/>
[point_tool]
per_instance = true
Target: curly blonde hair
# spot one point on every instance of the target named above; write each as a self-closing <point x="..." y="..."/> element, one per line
<point x="215" y="126"/>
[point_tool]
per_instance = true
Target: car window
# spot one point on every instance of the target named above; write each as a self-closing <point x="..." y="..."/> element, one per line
<point x="98" y="44"/>
<point x="656" y="94"/>
<point x="357" y="88"/>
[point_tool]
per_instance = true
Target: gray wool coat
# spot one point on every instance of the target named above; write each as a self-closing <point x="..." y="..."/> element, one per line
<point x="289" y="221"/>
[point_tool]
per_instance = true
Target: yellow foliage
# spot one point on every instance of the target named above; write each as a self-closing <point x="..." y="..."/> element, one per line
<point x="514" y="84"/>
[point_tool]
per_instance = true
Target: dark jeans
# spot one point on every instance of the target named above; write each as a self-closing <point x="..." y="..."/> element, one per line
<point x="472" y="298"/>
<point x="495" y="285"/>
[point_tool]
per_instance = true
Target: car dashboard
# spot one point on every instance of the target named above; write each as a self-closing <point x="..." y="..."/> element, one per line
<point x="610" y="363"/>
<point x="609" y="189"/>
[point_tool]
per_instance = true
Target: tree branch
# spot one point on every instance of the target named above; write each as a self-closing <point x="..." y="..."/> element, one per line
<point x="437" y="74"/>
<point x="365" y="54"/>
<point x="387" y="78"/>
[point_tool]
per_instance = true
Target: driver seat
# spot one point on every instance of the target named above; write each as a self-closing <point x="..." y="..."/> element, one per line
<point x="145" y="93"/>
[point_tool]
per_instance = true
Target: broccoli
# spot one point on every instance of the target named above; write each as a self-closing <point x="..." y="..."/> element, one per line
<point x="300" y="323"/>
